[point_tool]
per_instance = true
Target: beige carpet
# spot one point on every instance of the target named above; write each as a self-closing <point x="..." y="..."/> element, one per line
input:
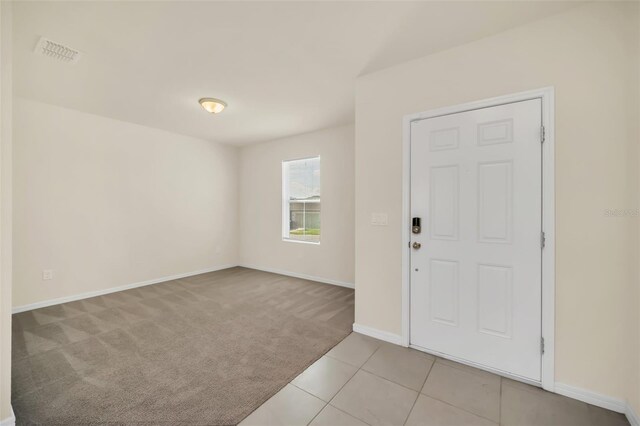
<point x="204" y="350"/>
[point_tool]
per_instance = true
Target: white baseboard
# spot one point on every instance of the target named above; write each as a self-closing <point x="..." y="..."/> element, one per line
<point x="632" y="416"/>
<point x="89" y="294"/>
<point x="9" y="421"/>
<point x="599" y="400"/>
<point x="302" y="276"/>
<point x="57" y="301"/>
<point x="396" y="339"/>
<point x="593" y="398"/>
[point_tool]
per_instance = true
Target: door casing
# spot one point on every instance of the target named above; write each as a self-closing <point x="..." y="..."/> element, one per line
<point x="548" y="219"/>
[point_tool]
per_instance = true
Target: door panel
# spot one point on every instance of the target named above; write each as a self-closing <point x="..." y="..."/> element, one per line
<point x="495" y="202"/>
<point x="495" y="301"/>
<point x="443" y="293"/>
<point x="444" y="203"/>
<point x="476" y="280"/>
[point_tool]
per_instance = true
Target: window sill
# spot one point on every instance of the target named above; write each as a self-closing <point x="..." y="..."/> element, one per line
<point x="291" y="240"/>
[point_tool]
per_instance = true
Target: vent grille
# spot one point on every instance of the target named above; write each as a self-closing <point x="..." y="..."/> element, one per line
<point x="57" y="51"/>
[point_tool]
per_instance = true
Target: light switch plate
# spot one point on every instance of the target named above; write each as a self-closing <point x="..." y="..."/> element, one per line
<point x="47" y="274"/>
<point x="379" y="219"/>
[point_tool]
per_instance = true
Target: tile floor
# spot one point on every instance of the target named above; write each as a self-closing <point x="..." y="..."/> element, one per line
<point x="364" y="381"/>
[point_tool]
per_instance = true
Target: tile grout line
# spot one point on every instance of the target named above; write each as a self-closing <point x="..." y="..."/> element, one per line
<point x="390" y="381"/>
<point x="414" y="403"/>
<point x="387" y="380"/>
<point x="305" y="391"/>
<point x="320" y="411"/>
<point x="341" y="387"/>
<point x="420" y="391"/>
<point x="460" y="408"/>
<point x="351" y="378"/>
<point x="350" y="415"/>
<point x="395" y="383"/>
<point x="411" y="410"/>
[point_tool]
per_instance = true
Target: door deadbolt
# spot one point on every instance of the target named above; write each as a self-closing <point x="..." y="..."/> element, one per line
<point x="417" y="245"/>
<point x="416" y="227"/>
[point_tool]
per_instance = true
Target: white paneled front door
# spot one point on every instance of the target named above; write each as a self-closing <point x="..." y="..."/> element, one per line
<point x="476" y="264"/>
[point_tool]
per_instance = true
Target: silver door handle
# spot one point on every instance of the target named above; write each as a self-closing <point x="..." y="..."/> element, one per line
<point x="417" y="245"/>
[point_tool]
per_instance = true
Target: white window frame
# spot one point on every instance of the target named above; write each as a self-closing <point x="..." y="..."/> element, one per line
<point x="285" y="201"/>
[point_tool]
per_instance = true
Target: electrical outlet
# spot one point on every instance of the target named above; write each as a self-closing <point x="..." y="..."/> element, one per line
<point x="47" y="274"/>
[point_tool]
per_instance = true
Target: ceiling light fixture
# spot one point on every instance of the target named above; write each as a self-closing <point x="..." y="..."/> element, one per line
<point x="213" y="105"/>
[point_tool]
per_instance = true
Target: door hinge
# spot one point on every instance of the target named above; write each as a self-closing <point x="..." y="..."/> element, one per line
<point x="542" y="134"/>
<point x="542" y="345"/>
<point x="543" y="239"/>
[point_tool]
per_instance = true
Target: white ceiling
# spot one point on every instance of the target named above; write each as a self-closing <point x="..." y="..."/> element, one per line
<point x="283" y="67"/>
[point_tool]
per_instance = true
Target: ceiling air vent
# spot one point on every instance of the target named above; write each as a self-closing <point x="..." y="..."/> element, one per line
<point x="57" y="51"/>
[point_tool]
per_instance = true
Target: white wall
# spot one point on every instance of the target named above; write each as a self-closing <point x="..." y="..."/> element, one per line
<point x="261" y="206"/>
<point x="590" y="54"/>
<point x="6" y="415"/>
<point x="106" y="203"/>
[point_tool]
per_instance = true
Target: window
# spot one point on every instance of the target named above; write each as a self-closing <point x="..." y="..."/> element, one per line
<point x="301" y="200"/>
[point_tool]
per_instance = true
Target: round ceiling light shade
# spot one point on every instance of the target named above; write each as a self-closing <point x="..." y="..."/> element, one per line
<point x="213" y="105"/>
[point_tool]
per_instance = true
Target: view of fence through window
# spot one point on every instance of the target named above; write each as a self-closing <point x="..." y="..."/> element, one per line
<point x="301" y="199"/>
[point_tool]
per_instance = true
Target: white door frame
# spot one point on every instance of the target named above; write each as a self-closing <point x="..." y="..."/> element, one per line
<point x="548" y="216"/>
